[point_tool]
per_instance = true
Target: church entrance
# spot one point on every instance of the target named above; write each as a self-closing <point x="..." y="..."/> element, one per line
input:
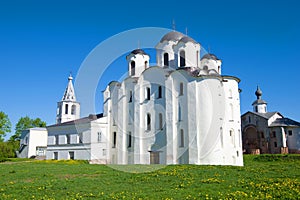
<point x="251" y="141"/>
<point x="154" y="157"/>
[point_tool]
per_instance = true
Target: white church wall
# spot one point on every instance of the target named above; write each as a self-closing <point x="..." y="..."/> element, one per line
<point x="161" y="49"/>
<point x="192" y="54"/>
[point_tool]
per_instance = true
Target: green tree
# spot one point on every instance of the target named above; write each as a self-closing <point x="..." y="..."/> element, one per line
<point x="25" y="123"/>
<point x="5" y="125"/>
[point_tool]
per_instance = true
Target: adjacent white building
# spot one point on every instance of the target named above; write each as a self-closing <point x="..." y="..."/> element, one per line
<point x="33" y="143"/>
<point x="181" y="111"/>
<point x="269" y="132"/>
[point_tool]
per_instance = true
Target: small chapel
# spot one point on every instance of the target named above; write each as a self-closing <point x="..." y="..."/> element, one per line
<point x="180" y="111"/>
<point x="268" y="132"/>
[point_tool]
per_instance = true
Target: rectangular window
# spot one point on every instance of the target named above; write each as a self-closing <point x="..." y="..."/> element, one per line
<point x="71" y="155"/>
<point x="66" y="109"/>
<point x="147" y="93"/>
<point x="290" y="132"/>
<point x="274" y="134"/>
<point x="55" y="155"/>
<point x="99" y="137"/>
<point x="181" y="89"/>
<point x="80" y="138"/>
<point x="114" y="139"/>
<point x="275" y="144"/>
<point x="262" y="134"/>
<point x="181" y="141"/>
<point x="148" y="121"/>
<point x="68" y="138"/>
<point x="129" y="140"/>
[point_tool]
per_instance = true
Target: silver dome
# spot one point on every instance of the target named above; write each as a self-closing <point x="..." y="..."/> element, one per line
<point x="172" y="36"/>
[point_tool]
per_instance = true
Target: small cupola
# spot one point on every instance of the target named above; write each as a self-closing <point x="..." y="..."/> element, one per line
<point x="137" y="61"/>
<point x="211" y="64"/>
<point x="259" y="105"/>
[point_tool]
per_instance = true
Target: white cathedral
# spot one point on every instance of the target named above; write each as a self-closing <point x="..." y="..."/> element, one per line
<point x="181" y="111"/>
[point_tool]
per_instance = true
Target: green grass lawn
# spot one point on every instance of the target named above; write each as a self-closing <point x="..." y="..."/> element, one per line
<point x="262" y="177"/>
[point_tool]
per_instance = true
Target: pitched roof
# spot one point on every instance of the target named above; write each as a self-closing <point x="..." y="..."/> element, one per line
<point x="83" y="120"/>
<point x="266" y="115"/>
<point x="285" y="122"/>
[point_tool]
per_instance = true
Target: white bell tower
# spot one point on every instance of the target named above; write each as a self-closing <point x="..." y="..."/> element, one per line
<point x="68" y="108"/>
<point x="259" y="106"/>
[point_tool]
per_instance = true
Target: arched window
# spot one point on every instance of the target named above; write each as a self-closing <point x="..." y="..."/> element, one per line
<point x="148" y="122"/>
<point x="219" y="69"/>
<point x="73" y="110"/>
<point x="181" y="89"/>
<point x="159" y="92"/>
<point x="132" y="68"/>
<point x="205" y="68"/>
<point x="182" y="58"/>
<point x="66" y="109"/>
<point x="160" y="118"/>
<point x="166" y="59"/>
<point x="146" y="64"/>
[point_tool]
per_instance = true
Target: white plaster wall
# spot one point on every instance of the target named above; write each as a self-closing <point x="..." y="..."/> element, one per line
<point x="37" y="137"/>
<point x="273" y="118"/>
<point x="165" y="47"/>
<point x="139" y="63"/>
<point x="192" y="58"/>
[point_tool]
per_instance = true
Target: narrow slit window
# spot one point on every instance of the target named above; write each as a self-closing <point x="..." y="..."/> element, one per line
<point x="166" y="59"/>
<point x="159" y="92"/>
<point x="182" y="58"/>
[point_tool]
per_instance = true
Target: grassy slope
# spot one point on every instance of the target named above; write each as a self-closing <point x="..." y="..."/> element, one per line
<point x="262" y="177"/>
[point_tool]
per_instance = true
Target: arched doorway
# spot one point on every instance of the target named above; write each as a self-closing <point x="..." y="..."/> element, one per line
<point x="251" y="140"/>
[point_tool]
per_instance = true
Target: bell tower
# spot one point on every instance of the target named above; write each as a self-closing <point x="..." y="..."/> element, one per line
<point x="259" y="106"/>
<point x="68" y="108"/>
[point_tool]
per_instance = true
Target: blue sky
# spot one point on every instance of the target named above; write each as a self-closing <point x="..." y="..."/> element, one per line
<point x="42" y="41"/>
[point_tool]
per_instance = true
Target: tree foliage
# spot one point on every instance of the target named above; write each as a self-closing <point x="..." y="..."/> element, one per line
<point x="8" y="149"/>
<point x="5" y="125"/>
<point x="25" y="123"/>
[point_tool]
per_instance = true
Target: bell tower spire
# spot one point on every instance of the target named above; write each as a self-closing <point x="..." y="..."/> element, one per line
<point x="68" y="108"/>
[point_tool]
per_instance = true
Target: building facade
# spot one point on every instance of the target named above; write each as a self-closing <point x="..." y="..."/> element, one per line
<point x="181" y="111"/>
<point x="269" y="132"/>
<point x="33" y="143"/>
